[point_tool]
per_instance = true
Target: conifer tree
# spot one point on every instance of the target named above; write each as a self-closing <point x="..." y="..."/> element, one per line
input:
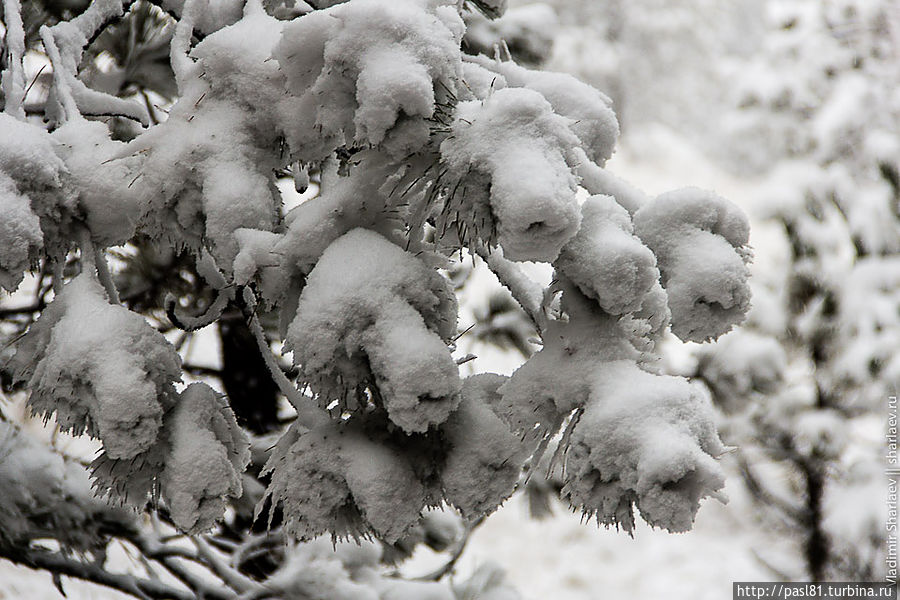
<point x="142" y="193"/>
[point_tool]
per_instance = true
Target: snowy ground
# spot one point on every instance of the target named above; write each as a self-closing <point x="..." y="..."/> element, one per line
<point x="565" y="559"/>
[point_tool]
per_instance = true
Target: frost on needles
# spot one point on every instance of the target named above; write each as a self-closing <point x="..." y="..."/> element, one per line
<point x="422" y="154"/>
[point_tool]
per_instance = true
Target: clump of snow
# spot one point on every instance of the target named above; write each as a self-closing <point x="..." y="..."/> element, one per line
<point x="281" y="262"/>
<point x="384" y="485"/>
<point x="633" y="437"/>
<point x="235" y="63"/>
<point x="591" y="116"/>
<point x="314" y="570"/>
<point x="355" y="477"/>
<point x="99" y="181"/>
<point x="27" y="154"/>
<point x="643" y="439"/>
<point x="208" y="169"/>
<point x="28" y="157"/>
<point x="599" y="181"/>
<point x="312" y="226"/>
<point x="654" y="316"/>
<point x="98" y="367"/>
<point x="552" y="383"/>
<point x="441" y="528"/>
<point x="336" y="480"/>
<point x="209" y="15"/>
<point x="480" y="82"/>
<point x="484" y="459"/>
<point x="606" y="261"/>
<point x="20" y="231"/>
<point x="195" y="463"/>
<point x="204" y="176"/>
<point x="510" y="156"/>
<point x="133" y="481"/>
<point x="372" y="313"/>
<point x="12" y="78"/>
<point x="307" y="481"/>
<point x="257" y="260"/>
<point x="380" y="66"/>
<point x="700" y="241"/>
<point x="48" y="497"/>
<point x="208" y="453"/>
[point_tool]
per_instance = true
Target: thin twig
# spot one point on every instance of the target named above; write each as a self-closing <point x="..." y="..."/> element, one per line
<point x="22" y="310"/>
<point x="448" y="567"/>
<point x="212" y="313"/>
<point x="232" y="577"/>
<point x="129" y="584"/>
<point x="308" y="413"/>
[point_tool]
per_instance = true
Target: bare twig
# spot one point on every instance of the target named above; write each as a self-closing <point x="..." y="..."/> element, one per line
<point x="448" y="567"/>
<point x="63" y="565"/>
<point x="232" y="577"/>
<point x="308" y="413"/>
<point x="22" y="310"/>
<point x="210" y="316"/>
<point x="794" y="513"/>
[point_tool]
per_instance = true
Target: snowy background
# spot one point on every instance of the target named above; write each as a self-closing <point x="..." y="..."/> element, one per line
<point x="722" y="95"/>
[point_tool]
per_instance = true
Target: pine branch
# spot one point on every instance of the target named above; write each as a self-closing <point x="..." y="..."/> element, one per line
<point x="225" y="572"/>
<point x="129" y="584"/>
<point x="526" y="292"/>
<point x="169" y="556"/>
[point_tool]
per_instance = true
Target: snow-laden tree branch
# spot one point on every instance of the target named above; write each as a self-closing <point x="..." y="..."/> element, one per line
<point x="420" y="154"/>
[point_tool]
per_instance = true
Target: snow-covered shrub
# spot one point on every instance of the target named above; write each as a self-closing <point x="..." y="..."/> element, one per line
<point x="821" y="98"/>
<point x="419" y="156"/>
<point x="23" y="230"/>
